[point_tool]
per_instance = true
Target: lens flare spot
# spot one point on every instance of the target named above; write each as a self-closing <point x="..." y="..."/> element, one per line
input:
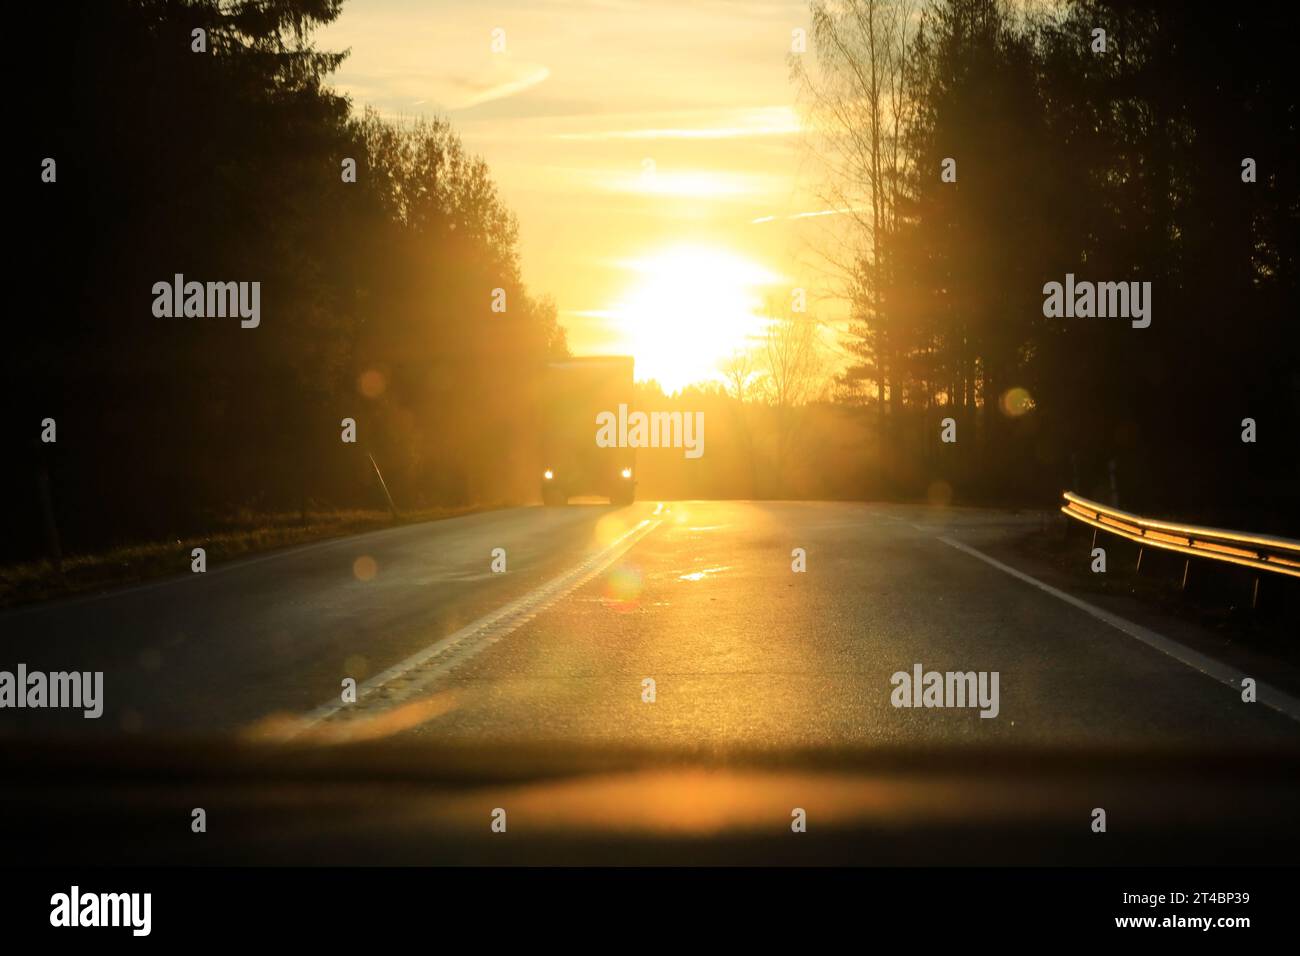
<point x="364" y="568"/>
<point x="623" y="588"/>
<point x="1016" y="402"/>
<point x="372" y="383"/>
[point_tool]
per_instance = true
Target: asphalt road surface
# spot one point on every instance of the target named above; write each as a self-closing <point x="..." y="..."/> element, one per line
<point x="699" y="597"/>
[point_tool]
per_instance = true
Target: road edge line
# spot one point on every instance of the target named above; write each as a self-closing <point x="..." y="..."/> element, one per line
<point x="1266" y="694"/>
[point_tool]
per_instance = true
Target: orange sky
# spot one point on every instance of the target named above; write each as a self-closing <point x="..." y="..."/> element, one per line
<point x="638" y="143"/>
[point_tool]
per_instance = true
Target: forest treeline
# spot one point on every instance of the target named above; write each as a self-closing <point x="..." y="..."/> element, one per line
<point x="1104" y="140"/>
<point x="376" y="296"/>
<point x="228" y="165"/>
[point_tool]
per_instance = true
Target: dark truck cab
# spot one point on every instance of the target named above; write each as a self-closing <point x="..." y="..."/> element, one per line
<point x="576" y="391"/>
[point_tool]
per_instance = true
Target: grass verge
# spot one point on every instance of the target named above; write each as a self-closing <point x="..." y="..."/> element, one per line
<point x="247" y="534"/>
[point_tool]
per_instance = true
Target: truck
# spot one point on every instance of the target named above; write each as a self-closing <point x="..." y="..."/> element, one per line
<point x="575" y="392"/>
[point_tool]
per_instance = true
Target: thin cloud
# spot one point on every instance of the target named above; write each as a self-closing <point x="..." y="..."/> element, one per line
<point x="805" y="215"/>
<point x="536" y="76"/>
<point x="767" y="121"/>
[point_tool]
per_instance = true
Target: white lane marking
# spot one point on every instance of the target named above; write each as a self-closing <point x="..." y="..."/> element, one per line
<point x="1265" y="693"/>
<point x="456" y="648"/>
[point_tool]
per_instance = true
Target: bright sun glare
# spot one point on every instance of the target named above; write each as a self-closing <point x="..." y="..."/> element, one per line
<point x="690" y="308"/>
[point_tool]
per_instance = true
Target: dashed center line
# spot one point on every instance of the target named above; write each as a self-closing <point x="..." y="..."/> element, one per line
<point x="409" y="677"/>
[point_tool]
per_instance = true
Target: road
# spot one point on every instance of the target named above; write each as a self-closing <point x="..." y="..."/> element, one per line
<point x="700" y="597"/>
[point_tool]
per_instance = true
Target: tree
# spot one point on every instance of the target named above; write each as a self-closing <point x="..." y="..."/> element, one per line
<point x="857" y="102"/>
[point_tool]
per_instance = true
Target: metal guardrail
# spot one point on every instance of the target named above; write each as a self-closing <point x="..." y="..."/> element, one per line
<point x="1256" y="551"/>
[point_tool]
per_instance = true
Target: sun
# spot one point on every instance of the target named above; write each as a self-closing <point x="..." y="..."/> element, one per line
<point x="689" y="308"/>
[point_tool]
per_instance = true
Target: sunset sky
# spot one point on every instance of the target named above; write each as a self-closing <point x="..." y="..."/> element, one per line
<point x="651" y="150"/>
